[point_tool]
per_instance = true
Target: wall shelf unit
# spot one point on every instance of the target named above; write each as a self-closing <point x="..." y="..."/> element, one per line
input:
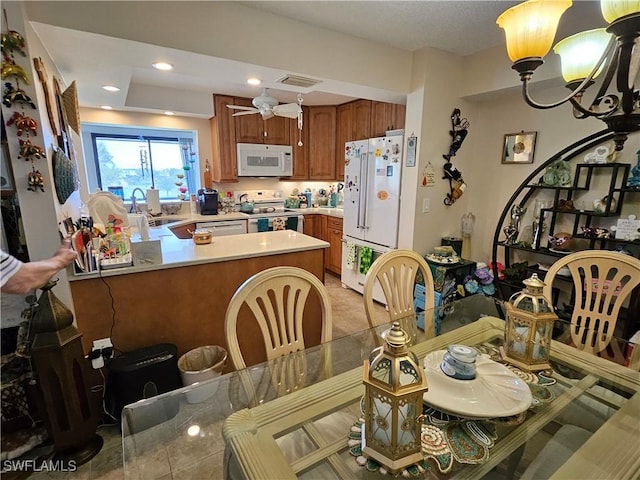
<point x="570" y="209"/>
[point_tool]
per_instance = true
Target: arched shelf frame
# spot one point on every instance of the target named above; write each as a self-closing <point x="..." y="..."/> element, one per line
<point x="527" y="188"/>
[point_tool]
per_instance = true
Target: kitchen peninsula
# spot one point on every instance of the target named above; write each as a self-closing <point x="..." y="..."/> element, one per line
<point x="183" y="301"/>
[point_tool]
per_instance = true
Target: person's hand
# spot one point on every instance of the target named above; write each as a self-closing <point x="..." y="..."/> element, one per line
<point x="65" y="253"/>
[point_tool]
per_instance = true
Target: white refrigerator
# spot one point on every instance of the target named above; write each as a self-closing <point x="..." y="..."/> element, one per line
<point x="372" y="176"/>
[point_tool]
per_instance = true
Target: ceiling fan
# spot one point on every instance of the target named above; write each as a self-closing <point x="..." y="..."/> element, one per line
<point x="269" y="107"/>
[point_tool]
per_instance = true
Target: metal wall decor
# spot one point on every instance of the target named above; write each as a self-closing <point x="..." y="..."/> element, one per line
<point x="15" y="97"/>
<point x="458" y="132"/>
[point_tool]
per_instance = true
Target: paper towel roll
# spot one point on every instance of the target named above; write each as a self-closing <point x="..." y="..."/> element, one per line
<point x="153" y="200"/>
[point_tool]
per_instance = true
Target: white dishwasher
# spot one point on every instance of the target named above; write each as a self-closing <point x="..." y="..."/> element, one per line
<point x="224" y="227"/>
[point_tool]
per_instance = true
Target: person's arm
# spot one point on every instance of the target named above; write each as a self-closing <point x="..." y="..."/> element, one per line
<point x="32" y="275"/>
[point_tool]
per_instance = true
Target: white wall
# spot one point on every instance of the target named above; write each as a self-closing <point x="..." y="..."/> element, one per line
<point x="39" y="210"/>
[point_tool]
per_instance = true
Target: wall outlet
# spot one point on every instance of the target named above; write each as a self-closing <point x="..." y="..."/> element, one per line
<point x="426" y="205"/>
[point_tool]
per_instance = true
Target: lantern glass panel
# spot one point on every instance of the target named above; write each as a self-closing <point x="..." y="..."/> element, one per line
<point x="518" y="342"/>
<point x="406" y="424"/>
<point x="382" y="420"/>
<point x="543" y="306"/>
<point x="382" y="371"/>
<point x="408" y="373"/>
<point x="543" y="332"/>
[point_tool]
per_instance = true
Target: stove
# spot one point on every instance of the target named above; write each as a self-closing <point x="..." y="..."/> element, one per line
<point x="272" y="201"/>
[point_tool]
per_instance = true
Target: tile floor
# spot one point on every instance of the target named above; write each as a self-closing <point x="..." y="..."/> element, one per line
<point x="348" y="316"/>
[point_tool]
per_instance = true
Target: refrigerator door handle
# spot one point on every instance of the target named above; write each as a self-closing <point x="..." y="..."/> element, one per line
<point x="362" y="198"/>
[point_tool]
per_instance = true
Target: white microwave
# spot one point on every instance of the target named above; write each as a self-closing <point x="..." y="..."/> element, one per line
<point x="258" y="160"/>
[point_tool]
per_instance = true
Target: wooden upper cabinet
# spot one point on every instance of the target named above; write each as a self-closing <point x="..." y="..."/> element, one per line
<point x="248" y="127"/>
<point x="253" y="129"/>
<point x="223" y="141"/>
<point x="361" y="119"/>
<point x="300" y="153"/>
<point x="353" y="123"/>
<point x="322" y="143"/>
<point x="344" y="134"/>
<point x="386" y="116"/>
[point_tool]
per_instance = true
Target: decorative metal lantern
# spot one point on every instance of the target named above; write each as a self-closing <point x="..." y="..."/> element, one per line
<point x="394" y="384"/>
<point x="530" y="318"/>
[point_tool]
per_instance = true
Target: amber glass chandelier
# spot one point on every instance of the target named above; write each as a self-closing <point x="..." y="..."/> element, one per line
<point x="612" y="53"/>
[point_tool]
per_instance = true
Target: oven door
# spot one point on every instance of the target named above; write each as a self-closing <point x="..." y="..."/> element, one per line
<point x="265" y="224"/>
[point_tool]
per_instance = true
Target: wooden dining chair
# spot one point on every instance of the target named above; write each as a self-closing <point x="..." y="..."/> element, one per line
<point x="276" y="298"/>
<point x="396" y="272"/>
<point x="602" y="281"/>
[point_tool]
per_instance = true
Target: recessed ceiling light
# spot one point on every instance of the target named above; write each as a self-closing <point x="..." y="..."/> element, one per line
<point x="106" y="107"/>
<point x="254" y="81"/>
<point x="169" y="113"/>
<point x="163" y="66"/>
<point x="110" y="88"/>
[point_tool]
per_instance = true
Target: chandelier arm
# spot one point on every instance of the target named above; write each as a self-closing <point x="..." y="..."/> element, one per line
<point x="623" y="82"/>
<point x="582" y="86"/>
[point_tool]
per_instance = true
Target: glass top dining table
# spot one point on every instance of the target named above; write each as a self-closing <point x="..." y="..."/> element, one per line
<point x="292" y="417"/>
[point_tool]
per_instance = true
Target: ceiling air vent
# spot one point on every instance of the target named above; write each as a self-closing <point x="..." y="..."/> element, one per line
<point x="298" y="81"/>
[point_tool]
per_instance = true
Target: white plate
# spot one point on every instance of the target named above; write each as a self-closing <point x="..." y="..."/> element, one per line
<point x="495" y="392"/>
<point x="563" y="252"/>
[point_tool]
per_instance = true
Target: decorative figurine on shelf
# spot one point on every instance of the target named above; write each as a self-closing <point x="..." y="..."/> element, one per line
<point x="558" y="174"/>
<point x="513" y="229"/>
<point x="538" y="221"/>
<point x="634" y="179"/>
<point x="562" y="242"/>
<point x="605" y="205"/>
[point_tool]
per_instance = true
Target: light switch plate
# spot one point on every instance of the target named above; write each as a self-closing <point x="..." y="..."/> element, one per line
<point x="426" y="205"/>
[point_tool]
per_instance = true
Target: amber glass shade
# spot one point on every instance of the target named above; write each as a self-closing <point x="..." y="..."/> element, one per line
<point x="614" y="9"/>
<point x="530" y="27"/>
<point x="580" y="53"/>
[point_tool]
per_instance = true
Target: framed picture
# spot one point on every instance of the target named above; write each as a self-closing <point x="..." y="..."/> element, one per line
<point x="519" y="147"/>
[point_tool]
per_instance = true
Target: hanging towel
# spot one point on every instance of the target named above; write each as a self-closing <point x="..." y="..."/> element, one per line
<point x="278" y="223"/>
<point x="263" y="224"/>
<point x="292" y="223"/>
<point x="351" y="256"/>
<point x="366" y="259"/>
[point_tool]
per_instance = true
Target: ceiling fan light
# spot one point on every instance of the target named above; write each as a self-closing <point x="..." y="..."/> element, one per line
<point x="530" y="27"/>
<point x="110" y="88"/>
<point x="615" y="9"/>
<point x="580" y="53"/>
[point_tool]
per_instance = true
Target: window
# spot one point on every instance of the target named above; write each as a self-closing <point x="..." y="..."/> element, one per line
<point x="130" y="157"/>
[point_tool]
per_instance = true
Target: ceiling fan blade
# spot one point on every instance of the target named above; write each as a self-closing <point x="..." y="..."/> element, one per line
<point x="247" y="112"/>
<point x="241" y="107"/>
<point x="289" y="110"/>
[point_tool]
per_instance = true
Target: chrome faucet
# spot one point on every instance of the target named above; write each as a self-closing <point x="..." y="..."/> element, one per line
<point x="134" y="203"/>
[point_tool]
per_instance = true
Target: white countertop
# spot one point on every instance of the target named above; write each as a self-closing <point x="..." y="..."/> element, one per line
<point x="180" y="253"/>
<point x="183" y="219"/>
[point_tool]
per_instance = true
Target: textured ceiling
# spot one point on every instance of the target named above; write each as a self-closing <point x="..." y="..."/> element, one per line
<point x="462" y="27"/>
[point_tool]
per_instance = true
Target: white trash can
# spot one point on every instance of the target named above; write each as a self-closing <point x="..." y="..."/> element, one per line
<point x="199" y="365"/>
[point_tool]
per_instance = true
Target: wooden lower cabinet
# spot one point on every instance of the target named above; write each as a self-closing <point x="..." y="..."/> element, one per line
<point x="329" y="229"/>
<point x="312" y="226"/>
<point x="333" y="258"/>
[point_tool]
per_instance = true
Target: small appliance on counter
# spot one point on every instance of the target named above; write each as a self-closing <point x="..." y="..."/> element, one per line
<point x="208" y="202"/>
